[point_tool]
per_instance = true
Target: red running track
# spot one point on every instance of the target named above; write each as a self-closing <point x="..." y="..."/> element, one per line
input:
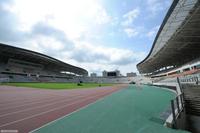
<point x="25" y="109"/>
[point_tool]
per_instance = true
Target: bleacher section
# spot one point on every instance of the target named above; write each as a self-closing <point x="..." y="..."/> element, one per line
<point x="190" y="88"/>
<point x="21" y="65"/>
<point x="13" y="72"/>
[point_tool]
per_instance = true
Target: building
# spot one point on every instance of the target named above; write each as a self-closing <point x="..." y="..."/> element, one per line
<point x="131" y="74"/>
<point x="115" y="73"/>
<point x="21" y="65"/>
<point x="176" y="42"/>
<point x="174" y="61"/>
<point x="93" y="75"/>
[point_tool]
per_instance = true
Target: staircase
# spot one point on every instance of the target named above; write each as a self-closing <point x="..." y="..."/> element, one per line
<point x="192" y="106"/>
<point x="192" y="99"/>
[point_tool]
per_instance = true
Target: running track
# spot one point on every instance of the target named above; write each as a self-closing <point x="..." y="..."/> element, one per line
<point x="25" y="109"/>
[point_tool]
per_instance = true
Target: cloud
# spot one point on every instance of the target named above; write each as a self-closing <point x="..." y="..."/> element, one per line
<point x="41" y="37"/>
<point x="75" y="17"/>
<point x="131" y="32"/>
<point x="127" y="23"/>
<point x="152" y="33"/>
<point x="130" y="16"/>
<point x="101" y="16"/>
<point x="56" y="32"/>
<point x="8" y="25"/>
<point x="97" y="58"/>
<point x="155" y="6"/>
<point x="86" y="52"/>
<point x="42" y="29"/>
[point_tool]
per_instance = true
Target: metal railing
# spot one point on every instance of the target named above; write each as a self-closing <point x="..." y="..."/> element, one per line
<point x="2" y="80"/>
<point x="177" y="106"/>
<point x="191" y="79"/>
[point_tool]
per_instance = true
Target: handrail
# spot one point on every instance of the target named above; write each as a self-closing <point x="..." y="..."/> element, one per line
<point x="177" y="106"/>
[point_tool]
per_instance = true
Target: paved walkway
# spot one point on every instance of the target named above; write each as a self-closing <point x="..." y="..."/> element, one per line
<point x="131" y="110"/>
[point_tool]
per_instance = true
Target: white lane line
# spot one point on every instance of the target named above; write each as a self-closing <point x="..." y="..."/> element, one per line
<point x="38" y="96"/>
<point x="47" y="111"/>
<point x="28" y="103"/>
<point x="34" y="102"/>
<point x="24" y="94"/>
<point x="28" y="95"/>
<point x="28" y="100"/>
<point x="118" y="90"/>
<point x="46" y="105"/>
<point x="39" y="101"/>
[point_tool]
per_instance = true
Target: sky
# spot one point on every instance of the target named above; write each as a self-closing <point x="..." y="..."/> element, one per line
<point x="96" y="35"/>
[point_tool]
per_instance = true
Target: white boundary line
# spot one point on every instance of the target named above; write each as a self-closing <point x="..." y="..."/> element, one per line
<point x="32" y="116"/>
<point x="29" y="103"/>
<point x="6" y="124"/>
<point x="49" y="110"/>
<point x="30" y="92"/>
<point x="39" y="101"/>
<point x="46" y="105"/>
<point x="77" y="110"/>
<point x="169" y="118"/>
<point x="165" y="88"/>
<point x="36" y="99"/>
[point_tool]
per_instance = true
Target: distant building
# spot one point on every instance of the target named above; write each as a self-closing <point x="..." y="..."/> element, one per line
<point x="115" y="73"/>
<point x="93" y="75"/>
<point x="131" y="74"/>
<point x="104" y="73"/>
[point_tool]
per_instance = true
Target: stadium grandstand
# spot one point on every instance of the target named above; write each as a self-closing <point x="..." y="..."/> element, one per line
<point x="177" y="41"/>
<point x="21" y="65"/>
<point x="174" y="60"/>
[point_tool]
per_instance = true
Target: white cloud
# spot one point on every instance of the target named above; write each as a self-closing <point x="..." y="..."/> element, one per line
<point x="56" y="29"/>
<point x="74" y="17"/>
<point x="155" y="6"/>
<point x="130" y="16"/>
<point x="131" y="32"/>
<point x="127" y="23"/>
<point x="98" y="58"/>
<point x="101" y="16"/>
<point x="151" y="34"/>
<point x="92" y="57"/>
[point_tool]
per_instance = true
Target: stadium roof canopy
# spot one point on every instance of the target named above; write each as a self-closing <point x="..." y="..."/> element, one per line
<point x="178" y="39"/>
<point x="7" y="51"/>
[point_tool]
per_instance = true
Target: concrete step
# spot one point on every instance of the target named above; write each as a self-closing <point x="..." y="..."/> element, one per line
<point x="193" y="123"/>
<point x="192" y="101"/>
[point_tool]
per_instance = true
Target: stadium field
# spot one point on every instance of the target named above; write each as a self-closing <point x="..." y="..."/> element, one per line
<point x="56" y="85"/>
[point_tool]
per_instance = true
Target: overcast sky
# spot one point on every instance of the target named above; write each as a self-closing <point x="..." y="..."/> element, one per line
<point x="93" y="34"/>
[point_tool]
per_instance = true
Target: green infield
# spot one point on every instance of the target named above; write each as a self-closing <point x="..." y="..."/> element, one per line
<point x="57" y="85"/>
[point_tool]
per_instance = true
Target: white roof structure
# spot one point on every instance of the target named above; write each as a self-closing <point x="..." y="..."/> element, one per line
<point x="178" y="39"/>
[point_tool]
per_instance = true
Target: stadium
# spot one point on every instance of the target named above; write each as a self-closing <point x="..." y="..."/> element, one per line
<point x="41" y="94"/>
<point x="20" y="65"/>
<point x="174" y="61"/>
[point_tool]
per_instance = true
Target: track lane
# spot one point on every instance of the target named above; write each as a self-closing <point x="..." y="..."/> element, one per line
<point x="32" y="119"/>
<point x="10" y="109"/>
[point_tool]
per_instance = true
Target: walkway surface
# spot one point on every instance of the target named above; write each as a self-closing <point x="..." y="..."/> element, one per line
<point x="130" y="110"/>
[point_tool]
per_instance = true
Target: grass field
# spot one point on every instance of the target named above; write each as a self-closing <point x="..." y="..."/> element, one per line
<point x="56" y="85"/>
